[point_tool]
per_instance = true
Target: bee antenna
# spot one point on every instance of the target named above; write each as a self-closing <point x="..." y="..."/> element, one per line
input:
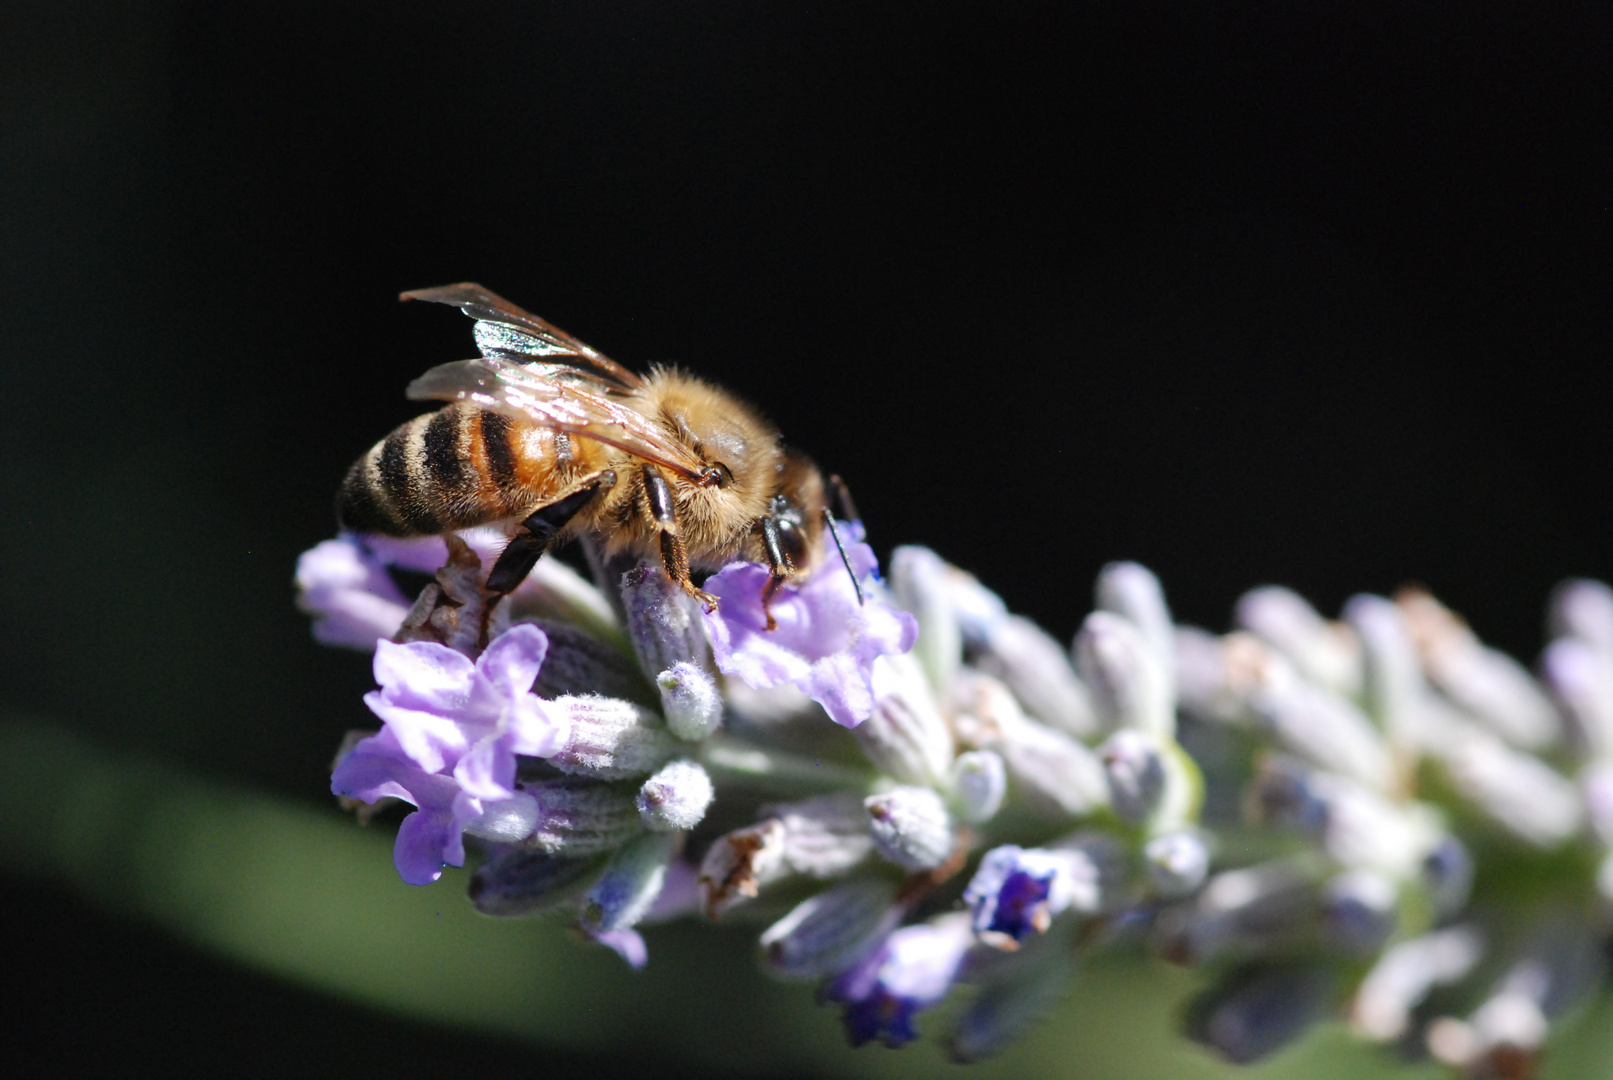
<point x="829" y="520"/>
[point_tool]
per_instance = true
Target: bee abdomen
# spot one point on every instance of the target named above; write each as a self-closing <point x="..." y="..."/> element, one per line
<point x="427" y="477"/>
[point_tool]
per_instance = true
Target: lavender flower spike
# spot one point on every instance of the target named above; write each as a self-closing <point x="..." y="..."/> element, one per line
<point x="452" y="731"/>
<point x="825" y="642"/>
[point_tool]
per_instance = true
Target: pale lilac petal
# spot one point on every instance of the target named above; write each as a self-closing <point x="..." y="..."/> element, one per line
<point x="824" y="642"/>
<point x="348" y="592"/>
<point x="487" y="770"/>
<point x="431" y="741"/>
<point x="427" y="839"/>
<point x="628" y="944"/>
<point x="422" y="675"/>
<point x="510" y="664"/>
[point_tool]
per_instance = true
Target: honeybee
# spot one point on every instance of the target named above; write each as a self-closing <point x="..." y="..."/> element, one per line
<point x="555" y="440"/>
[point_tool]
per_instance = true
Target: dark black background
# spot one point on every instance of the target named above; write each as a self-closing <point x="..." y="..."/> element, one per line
<point x="1313" y="294"/>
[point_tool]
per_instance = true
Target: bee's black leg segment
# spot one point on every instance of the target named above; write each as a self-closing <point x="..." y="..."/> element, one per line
<point x="778" y="565"/>
<point x="658" y="493"/>
<point x="522" y="553"/>
<point x="834" y="531"/>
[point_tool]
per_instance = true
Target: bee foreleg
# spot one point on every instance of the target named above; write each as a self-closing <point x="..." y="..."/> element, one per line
<point x="674" y="557"/>
<point x="778" y="565"/>
<point x="522" y="553"/>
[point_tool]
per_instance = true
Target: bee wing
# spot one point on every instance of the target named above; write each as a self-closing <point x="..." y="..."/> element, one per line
<point x="560" y="397"/>
<point x="503" y="329"/>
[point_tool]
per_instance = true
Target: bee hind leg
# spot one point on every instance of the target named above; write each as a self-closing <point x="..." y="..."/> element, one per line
<point x="522" y="553"/>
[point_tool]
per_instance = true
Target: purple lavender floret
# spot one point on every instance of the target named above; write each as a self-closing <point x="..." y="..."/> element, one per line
<point x="909" y="971"/>
<point x="1017" y="892"/>
<point x="825" y="643"/>
<point x="452" y="732"/>
<point x="345" y="587"/>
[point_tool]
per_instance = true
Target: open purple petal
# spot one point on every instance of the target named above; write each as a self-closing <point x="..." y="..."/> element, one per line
<point x="452" y="732"/>
<point x="824" y="641"/>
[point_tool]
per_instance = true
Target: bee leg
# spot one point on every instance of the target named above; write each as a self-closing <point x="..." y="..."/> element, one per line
<point x="522" y="553"/>
<point x="673" y="555"/>
<point x="778" y="565"/>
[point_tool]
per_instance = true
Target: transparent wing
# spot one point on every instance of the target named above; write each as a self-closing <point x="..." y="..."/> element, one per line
<point x="560" y="397"/>
<point x="502" y="329"/>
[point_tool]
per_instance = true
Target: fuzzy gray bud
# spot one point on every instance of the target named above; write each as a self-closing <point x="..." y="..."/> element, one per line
<point x="826" y="932"/>
<point x="579" y="816"/>
<point x="906" y="738"/>
<point x="629" y="884"/>
<point x="611" y="738"/>
<point x="1128" y="682"/>
<point x="910" y="827"/>
<point x="663" y="622"/>
<point x="676" y="797"/>
<point x="1131" y="590"/>
<point x="979" y="784"/>
<point x="691" y="700"/>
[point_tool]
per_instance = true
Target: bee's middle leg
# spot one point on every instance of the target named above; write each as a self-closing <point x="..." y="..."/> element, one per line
<point x="523" y="551"/>
<point x="673" y="554"/>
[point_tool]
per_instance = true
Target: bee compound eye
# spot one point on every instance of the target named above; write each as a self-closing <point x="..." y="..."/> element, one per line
<point x="719" y="474"/>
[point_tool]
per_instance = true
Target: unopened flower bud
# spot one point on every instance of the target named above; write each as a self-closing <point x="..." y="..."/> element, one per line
<point x="1056" y="774"/>
<point x="906" y="738"/>
<point x="1403" y="976"/>
<point x="663" y="622"/>
<point x="828" y="931"/>
<point x="978" y="610"/>
<point x="1037" y="669"/>
<point x="1583" y="609"/>
<point x="1324" y="728"/>
<point x="1488" y="684"/>
<point x="918" y="577"/>
<point x="522" y="881"/>
<point x="1581" y="680"/>
<point x="1518" y="790"/>
<point x="1392" y="681"/>
<point x="1177" y="864"/>
<point x="979" y="783"/>
<point x="1127" y="679"/>
<point x="1358" y="914"/>
<point x="1007" y="1007"/>
<point x="911" y="827"/>
<point x="579" y="816"/>
<point x="1135" y="769"/>
<point x="1131" y="590"/>
<point x="1252" y="1011"/>
<point x="676" y="797"/>
<point x="629" y="884"/>
<point x="1258" y="910"/>
<point x="691" y="700"/>
<point x="580" y="663"/>
<point x="611" y="738"/>
<point x="1325" y="652"/>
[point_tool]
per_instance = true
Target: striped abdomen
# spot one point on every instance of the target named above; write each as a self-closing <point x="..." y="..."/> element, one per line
<point x="457" y="468"/>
